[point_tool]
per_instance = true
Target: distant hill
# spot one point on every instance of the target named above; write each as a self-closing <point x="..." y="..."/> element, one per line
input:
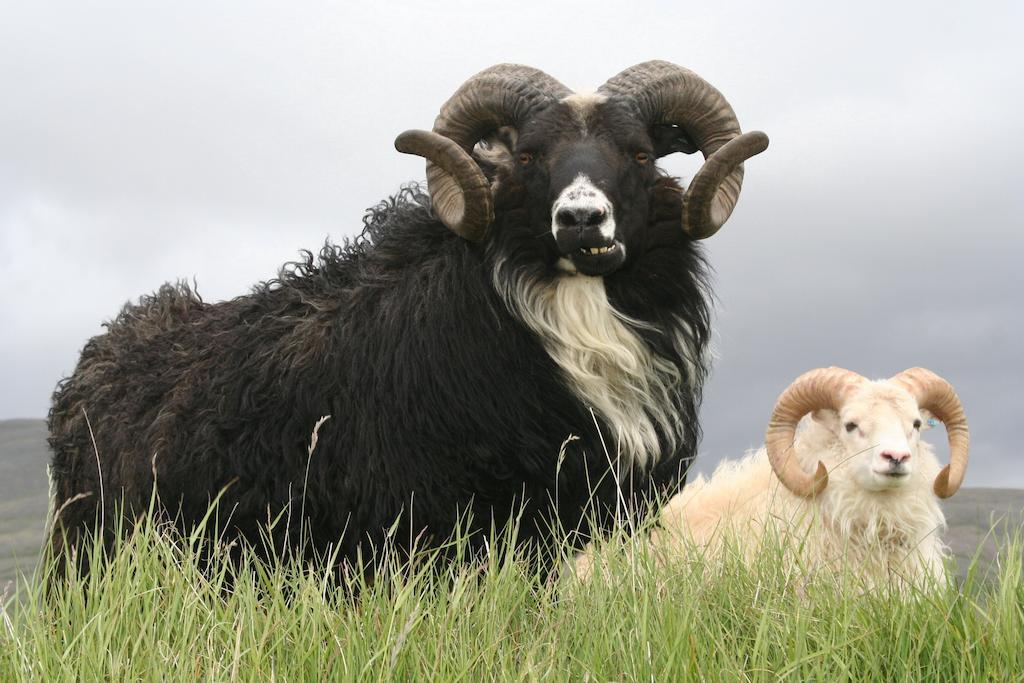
<point x="24" y="455"/>
<point x="973" y="513"/>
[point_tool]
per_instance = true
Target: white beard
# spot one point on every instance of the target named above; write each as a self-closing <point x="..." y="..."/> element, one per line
<point x="606" y="364"/>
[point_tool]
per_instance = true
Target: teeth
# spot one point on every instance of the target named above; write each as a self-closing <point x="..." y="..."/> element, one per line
<point x="598" y="250"/>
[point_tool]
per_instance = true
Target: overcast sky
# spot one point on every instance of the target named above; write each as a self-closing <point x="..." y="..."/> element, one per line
<point x="149" y="141"/>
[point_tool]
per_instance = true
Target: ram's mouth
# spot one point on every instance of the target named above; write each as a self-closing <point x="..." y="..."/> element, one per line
<point x="598" y="259"/>
<point x="593" y="251"/>
<point x="890" y="480"/>
<point x="890" y="473"/>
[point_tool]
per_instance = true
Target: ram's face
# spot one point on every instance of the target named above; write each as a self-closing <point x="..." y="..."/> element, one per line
<point x="587" y="166"/>
<point x="879" y="426"/>
<point x="880" y="429"/>
<point x="584" y="170"/>
<point x="512" y="140"/>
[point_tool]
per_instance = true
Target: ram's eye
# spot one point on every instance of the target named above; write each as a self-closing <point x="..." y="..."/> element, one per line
<point x="642" y="157"/>
<point x="850" y="426"/>
<point x="917" y="424"/>
<point x="525" y="158"/>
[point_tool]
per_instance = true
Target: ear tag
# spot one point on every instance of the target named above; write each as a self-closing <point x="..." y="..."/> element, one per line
<point x="932" y="422"/>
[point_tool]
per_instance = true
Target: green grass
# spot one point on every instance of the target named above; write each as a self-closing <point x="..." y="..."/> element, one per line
<point x="150" y="613"/>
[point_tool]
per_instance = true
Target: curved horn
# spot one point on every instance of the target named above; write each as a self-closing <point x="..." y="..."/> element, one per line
<point x="459" y="192"/>
<point x="937" y="395"/>
<point x="666" y="93"/>
<point x="502" y="95"/>
<point x="821" y="388"/>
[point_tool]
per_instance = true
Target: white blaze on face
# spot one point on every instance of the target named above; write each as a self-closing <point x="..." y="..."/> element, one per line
<point x="876" y="427"/>
<point x="583" y="104"/>
<point x="582" y="198"/>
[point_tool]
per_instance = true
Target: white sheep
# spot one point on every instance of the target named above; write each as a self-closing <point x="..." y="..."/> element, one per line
<point x="872" y="501"/>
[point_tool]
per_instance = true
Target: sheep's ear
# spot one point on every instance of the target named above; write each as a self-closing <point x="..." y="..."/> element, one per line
<point x="494" y="153"/>
<point x="668" y="138"/>
<point x="827" y="418"/>
<point x="928" y="419"/>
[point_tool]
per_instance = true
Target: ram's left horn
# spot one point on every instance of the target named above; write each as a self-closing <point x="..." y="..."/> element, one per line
<point x="937" y="395"/>
<point x="668" y="94"/>
<point x="712" y="193"/>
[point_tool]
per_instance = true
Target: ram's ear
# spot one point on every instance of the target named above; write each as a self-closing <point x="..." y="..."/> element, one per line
<point x="827" y="418"/>
<point x="928" y="419"/>
<point x="668" y="138"/>
<point x="494" y="152"/>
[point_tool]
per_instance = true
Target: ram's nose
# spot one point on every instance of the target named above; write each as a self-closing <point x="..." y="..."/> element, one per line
<point x="580" y="217"/>
<point x="895" y="458"/>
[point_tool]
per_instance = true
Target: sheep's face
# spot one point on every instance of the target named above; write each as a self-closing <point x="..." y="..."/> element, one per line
<point x="879" y="426"/>
<point x="583" y="174"/>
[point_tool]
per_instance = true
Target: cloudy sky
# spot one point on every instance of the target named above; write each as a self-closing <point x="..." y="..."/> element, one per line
<point x="148" y="141"/>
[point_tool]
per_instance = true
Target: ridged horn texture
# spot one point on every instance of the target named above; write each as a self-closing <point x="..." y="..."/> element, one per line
<point x="814" y="390"/>
<point x="937" y="395"/>
<point x="502" y="95"/>
<point x="669" y="94"/>
<point x="460" y="193"/>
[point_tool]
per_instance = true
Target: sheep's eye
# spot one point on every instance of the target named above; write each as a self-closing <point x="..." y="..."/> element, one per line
<point x="850" y="426"/>
<point x="917" y="424"/>
<point x="642" y="157"/>
<point x="525" y="158"/>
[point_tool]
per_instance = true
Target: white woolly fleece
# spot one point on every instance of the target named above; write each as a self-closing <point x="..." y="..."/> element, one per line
<point x="885" y="535"/>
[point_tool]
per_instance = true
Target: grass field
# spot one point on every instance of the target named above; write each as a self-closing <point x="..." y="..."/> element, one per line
<point x="151" y="614"/>
<point x="23" y="503"/>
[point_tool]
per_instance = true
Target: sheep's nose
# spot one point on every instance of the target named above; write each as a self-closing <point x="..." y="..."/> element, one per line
<point x="895" y="457"/>
<point x="580" y="216"/>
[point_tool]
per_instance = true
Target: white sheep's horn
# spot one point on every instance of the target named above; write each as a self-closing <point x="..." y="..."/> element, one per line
<point x="937" y="395"/>
<point x="814" y="390"/>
